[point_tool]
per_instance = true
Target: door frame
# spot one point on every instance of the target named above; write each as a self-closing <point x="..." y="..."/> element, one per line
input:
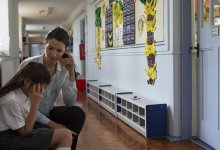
<point x="186" y="43"/>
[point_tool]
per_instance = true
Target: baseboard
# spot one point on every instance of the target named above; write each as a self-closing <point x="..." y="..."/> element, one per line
<point x="202" y="144"/>
<point x="174" y="138"/>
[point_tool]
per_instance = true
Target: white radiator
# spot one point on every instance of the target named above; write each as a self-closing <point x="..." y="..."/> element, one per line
<point x="6" y="69"/>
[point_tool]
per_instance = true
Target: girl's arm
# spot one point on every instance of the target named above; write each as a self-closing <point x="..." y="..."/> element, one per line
<point x="35" y="96"/>
<point x="29" y="122"/>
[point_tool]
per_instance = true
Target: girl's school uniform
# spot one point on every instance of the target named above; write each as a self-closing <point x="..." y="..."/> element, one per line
<point x="14" y="108"/>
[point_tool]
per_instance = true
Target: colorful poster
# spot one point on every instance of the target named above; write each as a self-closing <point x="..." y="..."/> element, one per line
<point x="140" y="20"/>
<point x="117" y="12"/>
<point x="129" y="22"/>
<point x="124" y="23"/>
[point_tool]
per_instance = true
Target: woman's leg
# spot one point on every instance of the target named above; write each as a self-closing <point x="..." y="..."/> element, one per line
<point x="71" y="117"/>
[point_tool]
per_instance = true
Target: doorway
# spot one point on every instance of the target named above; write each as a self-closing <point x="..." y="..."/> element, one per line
<point x="206" y="71"/>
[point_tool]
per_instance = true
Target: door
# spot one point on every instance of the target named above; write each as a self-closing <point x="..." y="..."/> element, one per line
<point x="209" y="72"/>
<point x="36" y="49"/>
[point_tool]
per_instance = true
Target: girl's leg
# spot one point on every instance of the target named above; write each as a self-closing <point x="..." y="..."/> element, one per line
<point x="71" y="117"/>
<point x="62" y="139"/>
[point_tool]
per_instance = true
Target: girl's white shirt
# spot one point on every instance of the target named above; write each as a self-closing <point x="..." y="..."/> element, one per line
<point x="14" y="108"/>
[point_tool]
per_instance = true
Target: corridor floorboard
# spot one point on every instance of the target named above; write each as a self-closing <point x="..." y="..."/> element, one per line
<point x="102" y="131"/>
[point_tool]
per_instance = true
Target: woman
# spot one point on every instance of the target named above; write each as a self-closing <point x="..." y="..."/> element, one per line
<point x="61" y="68"/>
<point x="19" y="102"/>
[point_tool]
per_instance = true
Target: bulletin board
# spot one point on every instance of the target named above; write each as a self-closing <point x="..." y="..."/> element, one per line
<point x="124" y="23"/>
<point x="141" y="33"/>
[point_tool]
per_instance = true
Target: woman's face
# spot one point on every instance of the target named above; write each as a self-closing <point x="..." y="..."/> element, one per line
<point x="54" y="50"/>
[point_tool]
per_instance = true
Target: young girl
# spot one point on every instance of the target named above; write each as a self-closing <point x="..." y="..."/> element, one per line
<point x="19" y="101"/>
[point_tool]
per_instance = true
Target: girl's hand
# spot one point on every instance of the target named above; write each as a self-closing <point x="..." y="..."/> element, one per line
<point x="36" y="93"/>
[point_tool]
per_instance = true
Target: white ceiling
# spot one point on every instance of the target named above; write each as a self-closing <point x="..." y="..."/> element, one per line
<point x="40" y="16"/>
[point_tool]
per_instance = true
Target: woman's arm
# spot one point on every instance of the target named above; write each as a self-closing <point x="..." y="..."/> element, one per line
<point x="69" y="88"/>
<point x="69" y="92"/>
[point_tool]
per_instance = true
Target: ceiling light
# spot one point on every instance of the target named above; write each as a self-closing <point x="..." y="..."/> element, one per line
<point x="46" y="12"/>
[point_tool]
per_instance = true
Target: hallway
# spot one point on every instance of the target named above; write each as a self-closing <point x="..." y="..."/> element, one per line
<point x="102" y="131"/>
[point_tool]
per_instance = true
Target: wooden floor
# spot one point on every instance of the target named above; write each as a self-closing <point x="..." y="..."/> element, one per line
<point x="102" y="131"/>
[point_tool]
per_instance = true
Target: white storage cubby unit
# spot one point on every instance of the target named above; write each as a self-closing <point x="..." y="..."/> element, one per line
<point x="93" y="89"/>
<point x="107" y="98"/>
<point x="147" y="117"/>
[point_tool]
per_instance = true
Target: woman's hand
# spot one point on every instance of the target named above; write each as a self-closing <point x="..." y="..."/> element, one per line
<point x="69" y="64"/>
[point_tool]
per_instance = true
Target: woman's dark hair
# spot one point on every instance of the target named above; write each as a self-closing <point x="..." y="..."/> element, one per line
<point x="59" y="34"/>
<point x="36" y="72"/>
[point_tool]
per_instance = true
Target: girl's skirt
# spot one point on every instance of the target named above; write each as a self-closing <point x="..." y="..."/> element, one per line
<point x="38" y="139"/>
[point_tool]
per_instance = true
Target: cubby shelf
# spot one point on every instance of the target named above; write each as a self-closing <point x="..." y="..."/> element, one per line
<point x="107" y="97"/>
<point x="133" y="110"/>
<point x="146" y="116"/>
<point x="93" y="89"/>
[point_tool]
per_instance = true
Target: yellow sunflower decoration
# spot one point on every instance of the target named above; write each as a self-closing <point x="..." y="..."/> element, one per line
<point x="118" y="13"/>
<point x="98" y="24"/>
<point x="150" y="48"/>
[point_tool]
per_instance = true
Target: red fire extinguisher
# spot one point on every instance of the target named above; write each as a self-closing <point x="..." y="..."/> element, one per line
<point x="82" y="51"/>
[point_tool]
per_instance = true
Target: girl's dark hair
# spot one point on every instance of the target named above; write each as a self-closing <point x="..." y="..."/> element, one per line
<point x="36" y="72"/>
<point x="59" y="34"/>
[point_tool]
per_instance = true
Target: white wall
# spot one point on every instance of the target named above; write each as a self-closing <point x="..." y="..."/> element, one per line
<point x="125" y="67"/>
<point x="4" y="30"/>
<point x="13" y="32"/>
<point x="90" y="42"/>
<point x="9" y="28"/>
<point x="77" y="40"/>
<point x="73" y="22"/>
